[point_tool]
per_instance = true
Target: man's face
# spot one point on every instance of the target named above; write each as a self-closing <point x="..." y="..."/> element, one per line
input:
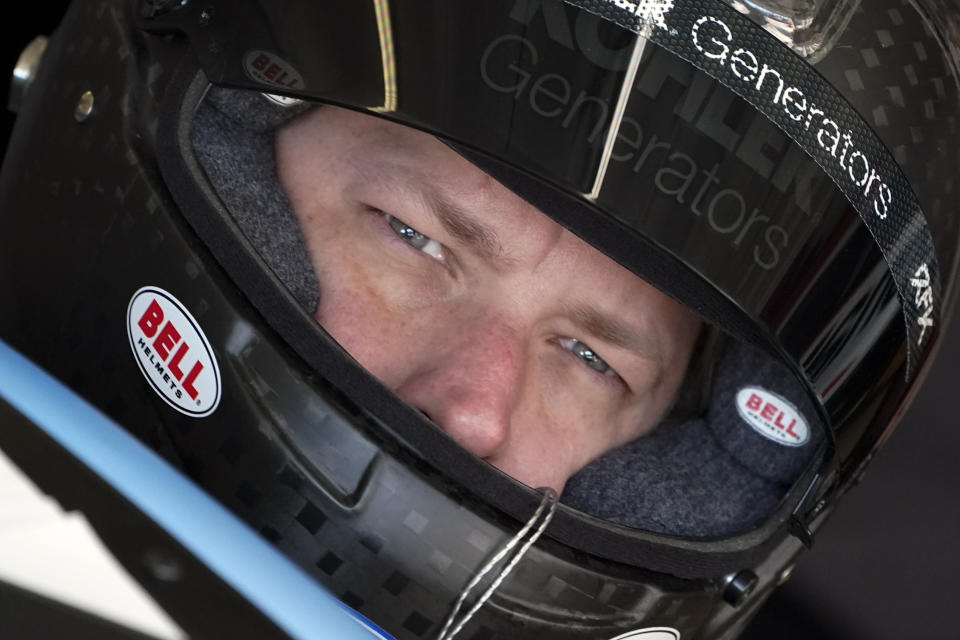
<point x="530" y="348"/>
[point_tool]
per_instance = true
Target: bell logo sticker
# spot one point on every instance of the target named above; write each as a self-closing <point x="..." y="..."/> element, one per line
<point x="772" y="416"/>
<point x="658" y="633"/>
<point x="269" y="69"/>
<point x="173" y="353"/>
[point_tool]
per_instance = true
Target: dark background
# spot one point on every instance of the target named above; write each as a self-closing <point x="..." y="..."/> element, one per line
<point x="886" y="565"/>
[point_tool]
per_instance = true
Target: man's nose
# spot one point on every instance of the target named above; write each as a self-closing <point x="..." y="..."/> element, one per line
<point x="470" y="382"/>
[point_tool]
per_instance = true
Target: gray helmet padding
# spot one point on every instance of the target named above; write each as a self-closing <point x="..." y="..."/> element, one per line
<point x="711" y="476"/>
<point x="233" y="140"/>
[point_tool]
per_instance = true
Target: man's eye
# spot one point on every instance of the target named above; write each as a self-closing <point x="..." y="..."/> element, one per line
<point x="587" y="356"/>
<point x="414" y="238"/>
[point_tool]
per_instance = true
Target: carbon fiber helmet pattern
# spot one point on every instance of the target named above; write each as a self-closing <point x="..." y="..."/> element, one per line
<point x="784" y="170"/>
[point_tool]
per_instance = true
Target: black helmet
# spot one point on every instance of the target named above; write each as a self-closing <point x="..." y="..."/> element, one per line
<point x="778" y="170"/>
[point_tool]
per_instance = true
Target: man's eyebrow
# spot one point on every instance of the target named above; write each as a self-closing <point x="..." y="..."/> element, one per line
<point x="463" y="226"/>
<point x="609" y="329"/>
<point x="455" y="219"/>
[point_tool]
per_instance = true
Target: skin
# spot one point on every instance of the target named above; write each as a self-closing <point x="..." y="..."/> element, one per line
<point x="475" y="328"/>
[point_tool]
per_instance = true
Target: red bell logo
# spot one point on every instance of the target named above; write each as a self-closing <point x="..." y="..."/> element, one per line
<point x="772" y="416"/>
<point x="166" y="339"/>
<point x="270" y="69"/>
<point x="172" y="351"/>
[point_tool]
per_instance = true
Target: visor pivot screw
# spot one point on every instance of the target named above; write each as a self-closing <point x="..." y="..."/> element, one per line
<point x="737" y="586"/>
<point x="84" y="107"/>
<point x="25" y="71"/>
<point x="785" y="575"/>
<point x="155" y="8"/>
<point x="162" y="566"/>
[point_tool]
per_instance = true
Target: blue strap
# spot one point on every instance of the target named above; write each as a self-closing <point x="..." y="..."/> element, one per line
<point x="272" y="583"/>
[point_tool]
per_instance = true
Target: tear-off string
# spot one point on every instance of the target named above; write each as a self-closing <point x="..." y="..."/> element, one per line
<point x="549" y="505"/>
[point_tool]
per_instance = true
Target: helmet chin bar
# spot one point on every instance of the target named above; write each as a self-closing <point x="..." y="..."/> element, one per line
<point x="453" y="625"/>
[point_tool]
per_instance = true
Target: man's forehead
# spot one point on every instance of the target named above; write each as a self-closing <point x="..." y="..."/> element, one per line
<point x="481" y="212"/>
<point x="472" y="206"/>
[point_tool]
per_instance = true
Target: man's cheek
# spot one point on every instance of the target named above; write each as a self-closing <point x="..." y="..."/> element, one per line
<point x="575" y="422"/>
<point x="388" y="343"/>
<point x="358" y="326"/>
<point x="367" y="270"/>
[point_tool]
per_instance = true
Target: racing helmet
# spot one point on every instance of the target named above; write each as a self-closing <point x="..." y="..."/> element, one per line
<point x="780" y="169"/>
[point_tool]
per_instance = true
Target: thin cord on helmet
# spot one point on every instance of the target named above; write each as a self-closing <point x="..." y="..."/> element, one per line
<point x="548" y="503"/>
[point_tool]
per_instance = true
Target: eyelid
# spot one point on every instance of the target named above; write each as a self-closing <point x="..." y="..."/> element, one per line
<point x="570" y="344"/>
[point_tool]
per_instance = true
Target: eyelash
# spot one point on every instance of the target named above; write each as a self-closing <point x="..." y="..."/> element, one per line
<point x="588" y="357"/>
<point x="434" y="249"/>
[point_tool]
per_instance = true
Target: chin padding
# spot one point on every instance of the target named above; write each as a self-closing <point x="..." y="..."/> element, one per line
<point x="720" y="474"/>
<point x="233" y="139"/>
